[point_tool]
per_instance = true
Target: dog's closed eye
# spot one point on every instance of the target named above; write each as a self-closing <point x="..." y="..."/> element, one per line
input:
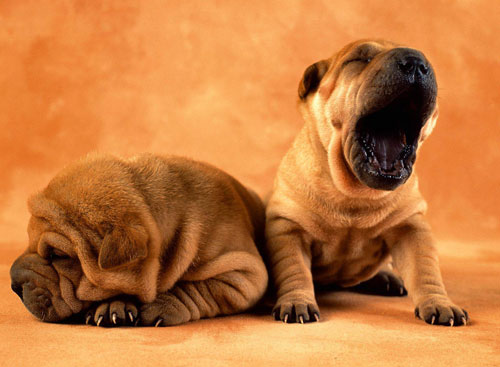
<point x="55" y="254"/>
<point x="365" y="60"/>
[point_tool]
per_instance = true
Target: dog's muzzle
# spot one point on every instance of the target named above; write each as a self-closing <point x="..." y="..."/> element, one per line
<point x="37" y="284"/>
<point x="386" y="134"/>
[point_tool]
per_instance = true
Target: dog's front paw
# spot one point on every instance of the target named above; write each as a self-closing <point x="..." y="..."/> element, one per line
<point x="300" y="309"/>
<point x="121" y="311"/>
<point x="166" y="310"/>
<point x="441" y="311"/>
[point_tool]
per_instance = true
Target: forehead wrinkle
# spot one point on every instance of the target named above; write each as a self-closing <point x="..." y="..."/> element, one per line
<point x="368" y="48"/>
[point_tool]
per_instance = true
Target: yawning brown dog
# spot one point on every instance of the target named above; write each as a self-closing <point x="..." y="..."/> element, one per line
<point x="162" y="240"/>
<point x="345" y="198"/>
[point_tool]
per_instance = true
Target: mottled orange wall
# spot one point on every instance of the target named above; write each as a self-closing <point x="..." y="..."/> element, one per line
<point x="217" y="80"/>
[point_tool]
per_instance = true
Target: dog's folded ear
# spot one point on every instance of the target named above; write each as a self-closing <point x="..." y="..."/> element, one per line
<point x="123" y="244"/>
<point x="312" y="77"/>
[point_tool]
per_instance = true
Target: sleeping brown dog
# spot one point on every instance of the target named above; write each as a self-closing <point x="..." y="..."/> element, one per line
<point x="345" y="198"/>
<point x="163" y="240"/>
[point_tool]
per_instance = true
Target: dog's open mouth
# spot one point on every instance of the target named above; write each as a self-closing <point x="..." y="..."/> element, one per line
<point x="388" y="138"/>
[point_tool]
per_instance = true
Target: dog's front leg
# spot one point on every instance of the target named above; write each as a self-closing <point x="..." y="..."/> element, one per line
<point x="290" y="262"/>
<point x="415" y="257"/>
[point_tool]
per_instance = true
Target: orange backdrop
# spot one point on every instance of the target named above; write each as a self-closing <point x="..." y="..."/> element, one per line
<point x="217" y="81"/>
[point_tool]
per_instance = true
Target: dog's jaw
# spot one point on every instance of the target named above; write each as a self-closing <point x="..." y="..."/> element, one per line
<point x="385" y="141"/>
<point x="396" y="100"/>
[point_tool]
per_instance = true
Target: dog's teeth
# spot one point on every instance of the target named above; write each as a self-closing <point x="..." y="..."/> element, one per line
<point x="316" y="316"/>
<point x="464" y="320"/>
<point x="285" y="320"/>
<point x="99" y="320"/>
<point x="158" y="322"/>
<point x="301" y="319"/>
<point x="130" y="316"/>
<point x="113" y="317"/>
<point x="87" y="320"/>
<point x="433" y="319"/>
<point x="452" y="321"/>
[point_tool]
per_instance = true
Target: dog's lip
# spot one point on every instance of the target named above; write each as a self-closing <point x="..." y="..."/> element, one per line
<point x="383" y="102"/>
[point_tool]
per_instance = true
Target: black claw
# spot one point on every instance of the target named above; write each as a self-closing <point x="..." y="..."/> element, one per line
<point x="417" y="313"/>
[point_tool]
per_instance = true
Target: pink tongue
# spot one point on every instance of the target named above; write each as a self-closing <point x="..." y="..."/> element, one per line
<point x="388" y="146"/>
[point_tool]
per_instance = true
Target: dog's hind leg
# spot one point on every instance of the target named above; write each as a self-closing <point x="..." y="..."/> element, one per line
<point x="234" y="290"/>
<point x="384" y="283"/>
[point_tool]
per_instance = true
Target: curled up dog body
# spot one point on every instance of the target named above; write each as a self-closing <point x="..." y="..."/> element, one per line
<point x="151" y="240"/>
<point x="346" y="199"/>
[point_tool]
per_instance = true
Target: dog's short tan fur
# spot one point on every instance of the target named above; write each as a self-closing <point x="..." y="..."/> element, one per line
<point x="177" y="235"/>
<point x="323" y="224"/>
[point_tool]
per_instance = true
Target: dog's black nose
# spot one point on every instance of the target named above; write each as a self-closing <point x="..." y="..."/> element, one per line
<point x="18" y="289"/>
<point x="412" y="65"/>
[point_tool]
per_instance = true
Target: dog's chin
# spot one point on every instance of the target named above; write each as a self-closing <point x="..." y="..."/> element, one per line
<point x="384" y="141"/>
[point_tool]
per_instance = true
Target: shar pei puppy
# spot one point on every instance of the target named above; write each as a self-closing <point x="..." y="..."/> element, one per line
<point x="155" y="240"/>
<point x="345" y="199"/>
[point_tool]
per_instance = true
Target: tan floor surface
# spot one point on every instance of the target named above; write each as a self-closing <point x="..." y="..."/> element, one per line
<point x="356" y="330"/>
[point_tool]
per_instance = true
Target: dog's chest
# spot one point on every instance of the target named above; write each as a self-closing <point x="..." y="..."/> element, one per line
<point x="348" y="257"/>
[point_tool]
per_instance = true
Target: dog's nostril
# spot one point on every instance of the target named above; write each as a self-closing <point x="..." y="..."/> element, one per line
<point x="423" y="69"/>
<point x="411" y="65"/>
<point x="18" y="289"/>
<point x="406" y="66"/>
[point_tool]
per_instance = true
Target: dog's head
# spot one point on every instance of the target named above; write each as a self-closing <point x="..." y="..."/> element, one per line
<point x="373" y="103"/>
<point x="91" y="236"/>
